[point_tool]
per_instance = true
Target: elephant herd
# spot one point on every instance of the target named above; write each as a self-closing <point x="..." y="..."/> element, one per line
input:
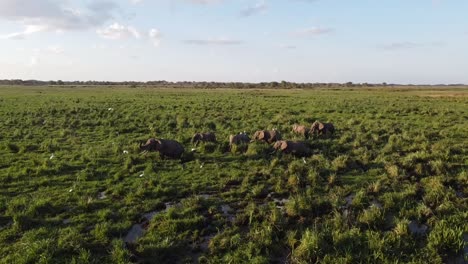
<point x="173" y="149"/>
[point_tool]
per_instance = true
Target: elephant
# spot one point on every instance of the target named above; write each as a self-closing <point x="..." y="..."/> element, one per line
<point x="297" y="148"/>
<point x="301" y="130"/>
<point x="322" y="128"/>
<point x="268" y="136"/>
<point x="204" y="137"/>
<point x="166" y="147"/>
<point x="238" y="139"/>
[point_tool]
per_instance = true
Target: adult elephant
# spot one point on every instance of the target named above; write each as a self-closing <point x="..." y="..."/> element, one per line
<point x="166" y="147"/>
<point x="322" y="128"/>
<point x="301" y="130"/>
<point x="297" y="148"/>
<point x="241" y="138"/>
<point x="203" y="137"/>
<point x="268" y="136"/>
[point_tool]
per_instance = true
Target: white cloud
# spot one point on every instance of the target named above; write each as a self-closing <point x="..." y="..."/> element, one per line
<point x="203" y="2"/>
<point x="284" y="46"/>
<point x="313" y="31"/>
<point x="213" y="41"/>
<point x="118" y="31"/>
<point x="255" y="9"/>
<point x="55" y="15"/>
<point x="136" y="1"/>
<point x="28" y="30"/>
<point x="55" y="49"/>
<point x="155" y="36"/>
<point x="409" y="45"/>
<point x="33" y="61"/>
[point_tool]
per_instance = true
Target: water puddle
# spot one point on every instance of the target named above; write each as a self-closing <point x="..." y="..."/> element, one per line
<point x="417" y="229"/>
<point x="226" y="209"/>
<point x="134" y="234"/>
<point x="205" y="196"/>
<point x="206" y="242"/>
<point x="6" y="226"/>
<point x="102" y="196"/>
<point x="280" y="202"/>
<point x="376" y="204"/>
<point x="463" y="257"/>
<point x="170" y="205"/>
<point x="349" y="199"/>
<point x="138" y="230"/>
<point x="346" y="213"/>
<point x="465" y="249"/>
<point x="149" y="216"/>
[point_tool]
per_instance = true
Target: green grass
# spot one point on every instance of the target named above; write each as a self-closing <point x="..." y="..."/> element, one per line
<point x="70" y="192"/>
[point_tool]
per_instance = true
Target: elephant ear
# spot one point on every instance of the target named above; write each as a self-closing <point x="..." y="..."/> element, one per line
<point x="157" y="144"/>
<point x="261" y="134"/>
<point x="256" y="135"/>
<point x="284" y="145"/>
<point x="276" y="145"/>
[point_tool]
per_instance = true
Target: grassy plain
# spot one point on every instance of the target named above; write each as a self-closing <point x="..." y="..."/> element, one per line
<point x="390" y="186"/>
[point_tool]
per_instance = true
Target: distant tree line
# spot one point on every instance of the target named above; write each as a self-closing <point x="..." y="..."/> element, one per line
<point x="208" y="85"/>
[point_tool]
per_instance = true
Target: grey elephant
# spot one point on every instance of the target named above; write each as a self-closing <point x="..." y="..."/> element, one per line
<point x="268" y="136"/>
<point x="166" y="147"/>
<point x="238" y="139"/>
<point x="301" y="130"/>
<point x="203" y="137"/>
<point x="297" y="148"/>
<point x="322" y="128"/>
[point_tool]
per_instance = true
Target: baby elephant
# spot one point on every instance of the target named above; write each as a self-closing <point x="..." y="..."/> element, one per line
<point x="301" y="130"/>
<point x="268" y="136"/>
<point x="166" y="147"/>
<point x="296" y="148"/>
<point x="203" y="137"/>
<point x="322" y="128"/>
<point x="238" y="139"/>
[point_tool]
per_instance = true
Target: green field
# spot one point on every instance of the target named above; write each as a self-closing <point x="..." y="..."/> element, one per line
<point x="390" y="186"/>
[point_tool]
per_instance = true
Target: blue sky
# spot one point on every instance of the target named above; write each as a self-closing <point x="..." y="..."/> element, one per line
<point x="394" y="41"/>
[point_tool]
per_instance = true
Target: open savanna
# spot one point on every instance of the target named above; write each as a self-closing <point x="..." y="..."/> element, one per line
<point x="390" y="186"/>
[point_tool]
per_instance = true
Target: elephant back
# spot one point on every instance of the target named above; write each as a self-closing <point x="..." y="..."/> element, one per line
<point x="171" y="148"/>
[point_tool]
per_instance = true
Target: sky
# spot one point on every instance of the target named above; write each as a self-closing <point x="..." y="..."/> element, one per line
<point x="374" y="41"/>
